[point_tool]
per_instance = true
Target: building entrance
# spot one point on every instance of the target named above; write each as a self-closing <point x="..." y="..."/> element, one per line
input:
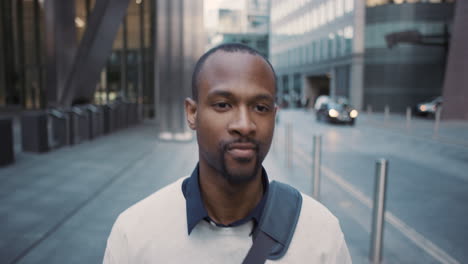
<point x="315" y="86"/>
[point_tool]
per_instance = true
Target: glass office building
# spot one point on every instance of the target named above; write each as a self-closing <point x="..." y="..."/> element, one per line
<point x="57" y="54"/>
<point x="338" y="48"/>
<point x="28" y="49"/>
<point x="246" y="24"/>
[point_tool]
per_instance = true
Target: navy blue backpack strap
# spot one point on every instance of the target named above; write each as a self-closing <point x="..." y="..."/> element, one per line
<point x="277" y="224"/>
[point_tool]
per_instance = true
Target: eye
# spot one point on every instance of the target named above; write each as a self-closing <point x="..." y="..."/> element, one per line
<point x="262" y="108"/>
<point x="221" y="106"/>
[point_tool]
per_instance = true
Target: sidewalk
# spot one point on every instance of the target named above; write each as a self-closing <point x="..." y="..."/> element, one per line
<point x="59" y="207"/>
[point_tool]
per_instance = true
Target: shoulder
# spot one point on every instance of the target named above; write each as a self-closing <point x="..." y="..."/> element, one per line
<point x="165" y="203"/>
<point x="314" y="211"/>
<point x="147" y="223"/>
<point x="317" y="223"/>
<point x="165" y="197"/>
<point x="318" y="236"/>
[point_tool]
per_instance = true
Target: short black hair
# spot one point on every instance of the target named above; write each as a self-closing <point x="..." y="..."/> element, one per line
<point x="227" y="47"/>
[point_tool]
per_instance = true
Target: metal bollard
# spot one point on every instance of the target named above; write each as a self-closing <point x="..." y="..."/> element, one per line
<point x="437" y="122"/>
<point x="288" y="144"/>
<point x="369" y="109"/>
<point x="317" y="148"/>
<point x="378" y="214"/>
<point x="408" y="117"/>
<point x="386" y="113"/>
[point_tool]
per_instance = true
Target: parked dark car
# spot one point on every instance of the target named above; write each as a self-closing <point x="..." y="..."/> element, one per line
<point x="334" y="112"/>
<point x="428" y="108"/>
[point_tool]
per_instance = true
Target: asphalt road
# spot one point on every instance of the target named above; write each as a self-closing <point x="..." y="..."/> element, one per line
<point x="426" y="190"/>
<point x="59" y="207"/>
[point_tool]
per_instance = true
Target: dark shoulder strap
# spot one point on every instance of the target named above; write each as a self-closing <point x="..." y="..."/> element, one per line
<point x="277" y="225"/>
<point x="260" y="249"/>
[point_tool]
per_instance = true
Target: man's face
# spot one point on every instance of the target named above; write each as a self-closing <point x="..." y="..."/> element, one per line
<point x="235" y="114"/>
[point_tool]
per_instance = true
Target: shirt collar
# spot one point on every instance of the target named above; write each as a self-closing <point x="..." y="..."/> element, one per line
<point x="196" y="209"/>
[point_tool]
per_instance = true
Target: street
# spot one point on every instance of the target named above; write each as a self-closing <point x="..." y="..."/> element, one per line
<point x="426" y="191"/>
<point x="59" y="207"/>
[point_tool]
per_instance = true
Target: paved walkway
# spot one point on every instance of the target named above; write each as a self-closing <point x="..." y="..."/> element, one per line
<point x="58" y="207"/>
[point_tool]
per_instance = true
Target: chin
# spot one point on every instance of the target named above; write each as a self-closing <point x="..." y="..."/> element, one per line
<point x="239" y="178"/>
<point x="242" y="172"/>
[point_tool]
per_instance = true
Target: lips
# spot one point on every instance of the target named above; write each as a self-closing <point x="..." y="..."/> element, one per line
<point x="242" y="151"/>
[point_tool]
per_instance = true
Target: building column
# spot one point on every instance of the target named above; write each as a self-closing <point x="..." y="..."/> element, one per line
<point x="291" y="90"/>
<point x="141" y="60"/>
<point x="7" y="82"/>
<point x="333" y="82"/>
<point x="61" y="44"/>
<point x="455" y="92"/>
<point x="38" y="90"/>
<point x="123" y="61"/>
<point x="176" y="52"/>
<point x="94" y="49"/>
<point x="356" y="91"/>
<point x="20" y="48"/>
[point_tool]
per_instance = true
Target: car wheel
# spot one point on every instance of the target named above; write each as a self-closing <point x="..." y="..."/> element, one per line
<point x="351" y="123"/>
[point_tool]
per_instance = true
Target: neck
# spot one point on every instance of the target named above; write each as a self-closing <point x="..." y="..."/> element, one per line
<point x="226" y="202"/>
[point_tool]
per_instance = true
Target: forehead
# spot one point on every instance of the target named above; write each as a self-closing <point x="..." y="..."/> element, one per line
<point x="236" y="70"/>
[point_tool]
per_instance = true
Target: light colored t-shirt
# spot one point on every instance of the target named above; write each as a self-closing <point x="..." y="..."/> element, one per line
<point x="142" y="235"/>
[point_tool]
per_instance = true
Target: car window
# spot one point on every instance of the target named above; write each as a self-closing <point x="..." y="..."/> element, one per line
<point x="336" y="106"/>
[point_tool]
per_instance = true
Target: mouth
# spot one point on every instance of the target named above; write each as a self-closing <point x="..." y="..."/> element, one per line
<point x="242" y="151"/>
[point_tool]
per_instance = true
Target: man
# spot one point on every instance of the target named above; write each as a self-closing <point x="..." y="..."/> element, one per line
<point x="212" y="216"/>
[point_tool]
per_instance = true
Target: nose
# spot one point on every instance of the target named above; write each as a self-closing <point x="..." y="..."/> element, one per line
<point x="242" y="124"/>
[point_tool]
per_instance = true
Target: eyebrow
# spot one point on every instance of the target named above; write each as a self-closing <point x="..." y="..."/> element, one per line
<point x="220" y="93"/>
<point x="264" y="97"/>
<point x="231" y="95"/>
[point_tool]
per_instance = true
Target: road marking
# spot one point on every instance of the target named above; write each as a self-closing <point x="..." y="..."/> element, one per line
<point x="417" y="238"/>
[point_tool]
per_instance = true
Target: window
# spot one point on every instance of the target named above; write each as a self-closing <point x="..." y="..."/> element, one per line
<point x="322" y="49"/>
<point x="297" y="84"/>
<point x="349" y="5"/>
<point x="321" y="14"/>
<point x="305" y="23"/>
<point x="348" y="35"/>
<point x="330" y="10"/>
<point x="314" y="51"/>
<point x="339" y="8"/>
<point x="285" y="84"/>
<point x="331" y="39"/>
<point x="314" y="19"/>
<point x="339" y="40"/>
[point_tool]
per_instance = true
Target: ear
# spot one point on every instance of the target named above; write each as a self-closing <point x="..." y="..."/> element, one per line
<point x="191" y="112"/>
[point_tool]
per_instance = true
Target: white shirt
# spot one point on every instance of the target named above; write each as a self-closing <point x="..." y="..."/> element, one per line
<point x="142" y="235"/>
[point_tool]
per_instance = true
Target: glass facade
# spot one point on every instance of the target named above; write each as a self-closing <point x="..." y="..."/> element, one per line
<point x="335" y="45"/>
<point x="375" y="33"/>
<point x="23" y="50"/>
<point x="306" y="25"/>
<point x="372" y="3"/>
<point x="346" y="42"/>
<point x="308" y="37"/>
<point x="418" y="63"/>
